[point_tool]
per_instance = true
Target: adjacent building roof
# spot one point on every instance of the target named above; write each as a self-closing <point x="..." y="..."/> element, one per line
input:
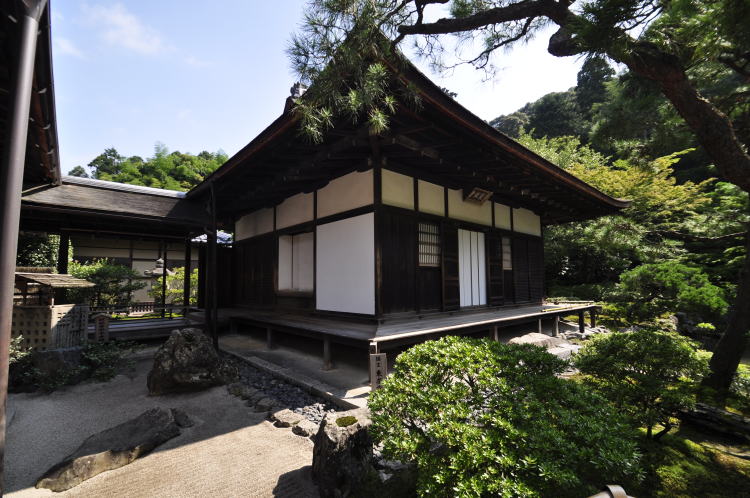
<point x="109" y="207"/>
<point x="54" y="280"/>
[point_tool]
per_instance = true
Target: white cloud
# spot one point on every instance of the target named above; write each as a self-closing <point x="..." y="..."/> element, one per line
<point x="196" y="62"/>
<point x="121" y="28"/>
<point x="63" y="46"/>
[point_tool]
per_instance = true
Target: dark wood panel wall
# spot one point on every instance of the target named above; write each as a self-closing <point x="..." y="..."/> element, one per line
<point x="407" y="287"/>
<point x="254" y="271"/>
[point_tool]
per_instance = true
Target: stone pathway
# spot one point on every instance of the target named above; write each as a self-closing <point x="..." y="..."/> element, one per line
<point x="231" y="451"/>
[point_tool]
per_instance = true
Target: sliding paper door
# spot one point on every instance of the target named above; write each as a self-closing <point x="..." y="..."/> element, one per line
<point x="472" y="272"/>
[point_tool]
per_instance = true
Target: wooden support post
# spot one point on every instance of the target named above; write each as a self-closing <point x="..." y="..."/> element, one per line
<point x="327" y="363"/>
<point x="62" y="264"/>
<point x="269" y="338"/>
<point x="556" y="328"/>
<point x="186" y="279"/>
<point x="592" y="316"/>
<point x="581" y="323"/>
<point x="539" y="325"/>
<point x="495" y="334"/>
<point x="164" y="279"/>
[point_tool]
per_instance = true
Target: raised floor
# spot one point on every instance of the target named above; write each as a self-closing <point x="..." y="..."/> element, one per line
<point x="395" y="333"/>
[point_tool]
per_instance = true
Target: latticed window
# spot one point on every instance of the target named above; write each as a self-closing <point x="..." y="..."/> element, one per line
<point x="429" y="244"/>
<point x="507" y="259"/>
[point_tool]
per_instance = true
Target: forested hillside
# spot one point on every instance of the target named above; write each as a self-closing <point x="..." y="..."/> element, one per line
<point x="620" y="134"/>
<point x="170" y="170"/>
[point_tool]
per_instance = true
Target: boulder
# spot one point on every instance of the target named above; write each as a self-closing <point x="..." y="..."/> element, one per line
<point x="564" y="351"/>
<point x="187" y="361"/>
<point x="538" y="339"/>
<point x="111" y="449"/>
<point x="342" y="456"/>
<point x="718" y="421"/>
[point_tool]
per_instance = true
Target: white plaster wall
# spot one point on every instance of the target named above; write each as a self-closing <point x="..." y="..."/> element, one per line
<point x="468" y="211"/>
<point x="502" y="216"/>
<point x="346" y="192"/>
<point x="526" y="221"/>
<point x="295" y="210"/>
<point x="255" y="223"/>
<point x="397" y="189"/>
<point x="102" y="252"/>
<point x="431" y="198"/>
<point x="345" y="259"/>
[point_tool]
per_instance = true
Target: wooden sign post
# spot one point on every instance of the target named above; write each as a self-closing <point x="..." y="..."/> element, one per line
<point x="378" y="369"/>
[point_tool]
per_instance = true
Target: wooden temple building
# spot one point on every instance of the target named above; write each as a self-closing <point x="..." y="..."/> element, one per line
<point x="434" y="226"/>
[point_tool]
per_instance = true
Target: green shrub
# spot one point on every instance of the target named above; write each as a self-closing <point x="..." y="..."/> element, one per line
<point x="99" y="361"/>
<point x="480" y="418"/>
<point x="649" y="374"/>
<point x="113" y="283"/>
<point x="648" y="291"/>
<point x="740" y="390"/>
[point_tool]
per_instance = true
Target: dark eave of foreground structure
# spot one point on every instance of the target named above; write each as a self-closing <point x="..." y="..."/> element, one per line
<point x="42" y="163"/>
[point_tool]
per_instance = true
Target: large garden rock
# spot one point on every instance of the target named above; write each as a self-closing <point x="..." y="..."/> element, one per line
<point x="538" y="339"/>
<point x="111" y="449"/>
<point x="342" y="455"/>
<point x="718" y="421"/>
<point x="187" y="362"/>
<point x="346" y="465"/>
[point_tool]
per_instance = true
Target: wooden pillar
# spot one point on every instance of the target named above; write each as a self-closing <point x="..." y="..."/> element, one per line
<point x="495" y="334"/>
<point x="212" y="297"/>
<point x="592" y="316"/>
<point x="163" y="245"/>
<point x="269" y="338"/>
<point x="62" y="253"/>
<point x="556" y="328"/>
<point x="327" y="363"/>
<point x="539" y="325"/>
<point x="186" y="278"/>
<point x="581" y="324"/>
<point x="62" y="265"/>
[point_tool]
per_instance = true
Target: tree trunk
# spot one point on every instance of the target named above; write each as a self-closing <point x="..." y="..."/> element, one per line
<point x="733" y="342"/>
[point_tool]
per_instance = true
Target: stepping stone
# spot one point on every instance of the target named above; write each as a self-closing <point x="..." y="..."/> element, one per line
<point x="286" y="418"/>
<point x="306" y="428"/>
<point x="112" y="448"/>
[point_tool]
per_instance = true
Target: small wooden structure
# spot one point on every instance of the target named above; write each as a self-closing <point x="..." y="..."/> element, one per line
<point x="42" y="323"/>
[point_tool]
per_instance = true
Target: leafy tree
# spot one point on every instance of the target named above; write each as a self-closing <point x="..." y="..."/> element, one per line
<point x="674" y="44"/>
<point x="114" y="283"/>
<point x="651" y="290"/>
<point x="37" y="249"/>
<point x="591" y="88"/>
<point x="106" y="164"/>
<point x="79" y="172"/>
<point x="651" y="230"/>
<point x="169" y="170"/>
<point x="175" y="283"/>
<point x="649" y="374"/>
<point x="513" y="124"/>
<point x="481" y="418"/>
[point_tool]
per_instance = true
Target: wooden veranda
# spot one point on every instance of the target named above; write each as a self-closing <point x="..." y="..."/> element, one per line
<point x="394" y="334"/>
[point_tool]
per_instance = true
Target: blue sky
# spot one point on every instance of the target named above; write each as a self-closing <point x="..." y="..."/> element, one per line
<point x="199" y="75"/>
